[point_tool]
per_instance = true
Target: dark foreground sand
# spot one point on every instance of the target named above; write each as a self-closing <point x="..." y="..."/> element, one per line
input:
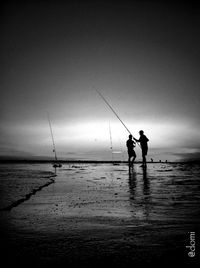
<point x="97" y="215"/>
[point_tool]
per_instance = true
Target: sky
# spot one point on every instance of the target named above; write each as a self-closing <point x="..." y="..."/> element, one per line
<point x="143" y="56"/>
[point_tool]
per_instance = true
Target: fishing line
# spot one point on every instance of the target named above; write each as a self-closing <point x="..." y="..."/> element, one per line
<point x="99" y="93"/>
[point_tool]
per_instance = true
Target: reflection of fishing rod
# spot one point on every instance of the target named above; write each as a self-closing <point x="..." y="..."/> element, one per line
<point x="114" y="112"/>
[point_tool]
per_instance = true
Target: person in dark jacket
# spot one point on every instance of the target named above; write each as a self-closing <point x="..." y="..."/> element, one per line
<point x="143" y="140"/>
<point x="130" y="144"/>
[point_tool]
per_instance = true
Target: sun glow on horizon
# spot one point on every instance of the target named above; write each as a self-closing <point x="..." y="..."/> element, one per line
<point x="96" y="134"/>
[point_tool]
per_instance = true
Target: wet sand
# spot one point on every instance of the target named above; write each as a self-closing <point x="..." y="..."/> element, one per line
<point x="100" y="214"/>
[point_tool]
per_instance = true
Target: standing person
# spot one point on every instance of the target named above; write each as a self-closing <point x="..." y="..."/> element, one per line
<point x="131" y="153"/>
<point x="144" y="146"/>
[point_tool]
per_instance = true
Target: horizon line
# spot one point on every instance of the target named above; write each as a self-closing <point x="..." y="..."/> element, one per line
<point x="90" y="161"/>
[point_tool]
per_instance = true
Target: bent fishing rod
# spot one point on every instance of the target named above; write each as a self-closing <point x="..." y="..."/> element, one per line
<point x="99" y="93"/>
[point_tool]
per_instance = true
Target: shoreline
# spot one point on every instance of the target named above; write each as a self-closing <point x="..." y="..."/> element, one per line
<point x="24" y="161"/>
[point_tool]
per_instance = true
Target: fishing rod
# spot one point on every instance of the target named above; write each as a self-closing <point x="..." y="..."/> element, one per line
<point x="111" y="145"/>
<point x="99" y="93"/>
<point x="54" y="147"/>
<point x="112" y="110"/>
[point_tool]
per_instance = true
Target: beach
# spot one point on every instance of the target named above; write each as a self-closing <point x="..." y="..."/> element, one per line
<point x="96" y="214"/>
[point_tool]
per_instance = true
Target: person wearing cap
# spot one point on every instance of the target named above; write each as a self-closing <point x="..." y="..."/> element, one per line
<point x="144" y="146"/>
<point x="131" y="153"/>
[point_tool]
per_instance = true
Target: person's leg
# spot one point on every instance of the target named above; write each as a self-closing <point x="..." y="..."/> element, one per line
<point x="130" y="154"/>
<point x="129" y="160"/>
<point x="144" y="160"/>
<point x="135" y="155"/>
<point x="144" y="153"/>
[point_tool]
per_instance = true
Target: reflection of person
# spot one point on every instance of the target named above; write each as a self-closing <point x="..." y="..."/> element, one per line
<point x="136" y="182"/>
<point x="131" y="153"/>
<point x="144" y="146"/>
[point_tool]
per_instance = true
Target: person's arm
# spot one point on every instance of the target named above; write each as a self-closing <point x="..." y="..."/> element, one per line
<point x="136" y="140"/>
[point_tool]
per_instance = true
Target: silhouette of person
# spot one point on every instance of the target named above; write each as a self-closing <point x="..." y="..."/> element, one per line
<point x="144" y="146"/>
<point x="131" y="153"/>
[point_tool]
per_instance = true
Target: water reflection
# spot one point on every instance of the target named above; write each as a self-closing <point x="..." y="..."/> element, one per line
<point x="132" y="182"/>
<point x="146" y="184"/>
<point x="146" y="194"/>
<point x="140" y="192"/>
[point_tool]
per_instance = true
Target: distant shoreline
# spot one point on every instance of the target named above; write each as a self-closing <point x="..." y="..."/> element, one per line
<point x="34" y="161"/>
